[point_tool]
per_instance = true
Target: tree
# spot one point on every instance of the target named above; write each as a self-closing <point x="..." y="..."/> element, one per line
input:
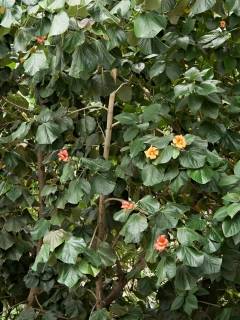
<point x="119" y="159"/>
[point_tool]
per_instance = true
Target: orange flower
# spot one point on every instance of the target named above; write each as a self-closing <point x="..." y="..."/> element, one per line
<point x="161" y="243"/>
<point x="128" y="205"/>
<point x="63" y="155"/>
<point x="40" y="39"/>
<point x="180" y="142"/>
<point x="152" y="153"/>
<point x="222" y="24"/>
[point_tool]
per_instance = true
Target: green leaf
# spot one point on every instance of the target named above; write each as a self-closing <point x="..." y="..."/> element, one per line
<point x="136" y="146"/>
<point x="36" y="62"/>
<point x="21" y="131"/>
<point x="237" y="169"/>
<point x="14" y="193"/>
<point x="127" y="118"/>
<point x="232" y="197"/>
<point x="42" y="256"/>
<point x="125" y="93"/>
<point x="102" y="185"/>
<point x="67" y="173"/>
<point x="187" y="236"/>
<point x="122" y="8"/>
<point x="201" y="6"/>
<point x="190" y="304"/>
<point x="75" y="192"/>
<point x="54" y="238"/>
<point x="47" y="133"/>
<point x="183" y="89"/>
<point x="130" y="134"/>
<point x="179" y="182"/>
<point x="87" y="125"/>
<point x="177" y="303"/>
<point x="211" y="264"/>
<point x="190" y="257"/>
<point x="107" y="255"/>
<point x="152" y="112"/>
<point x="101" y="314"/>
<point x="158" y="142"/>
<point x="148" y="25"/>
<point x="167" y="154"/>
<point x="40" y="229"/>
<point x="225" y="314"/>
<point x="8" y="20"/>
<point x="86" y="268"/>
<point x="52" y="5"/>
<point x="71" y="249"/>
<point x="48" y="189"/>
<point x="207" y="87"/>
<point x="152" y="175"/>
<point x="15" y="223"/>
<point x="49" y="315"/>
<point x="201" y="176"/>
<point x="231" y="227"/>
<point x="169" y="215"/>
<point x="88" y="57"/>
<point x="134" y="227"/>
<point x="60" y="24"/>
<point x="184" y="280"/>
<point x="149" y="204"/>
<point x="166" y="270"/>
<point x="121" y="216"/>
<point x="7" y="240"/>
<point x="192" y="159"/>
<point x="214" y="39"/>
<point x="96" y="164"/>
<point x="157" y="68"/>
<point x="233" y="209"/>
<point x="69" y="275"/>
<point x="220" y="214"/>
<point x="7" y="3"/>
<point x="27" y="314"/>
<point x="4" y="187"/>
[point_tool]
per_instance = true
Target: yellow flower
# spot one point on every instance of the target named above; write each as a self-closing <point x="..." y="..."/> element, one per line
<point x="152" y="153"/>
<point x="180" y="142"/>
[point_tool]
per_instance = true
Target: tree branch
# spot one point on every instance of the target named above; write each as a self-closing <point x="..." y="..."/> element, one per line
<point x="123" y="279"/>
<point x="41" y="181"/>
<point x="101" y="206"/>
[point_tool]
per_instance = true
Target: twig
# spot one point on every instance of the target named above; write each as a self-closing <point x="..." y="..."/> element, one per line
<point x="16" y="105"/>
<point x="39" y="304"/>
<point x="86" y="108"/>
<point x="93" y="237"/>
<point x="210" y="304"/>
<point x="113" y="199"/>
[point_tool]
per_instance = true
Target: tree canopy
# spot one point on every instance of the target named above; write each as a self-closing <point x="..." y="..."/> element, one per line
<point x="119" y="159"/>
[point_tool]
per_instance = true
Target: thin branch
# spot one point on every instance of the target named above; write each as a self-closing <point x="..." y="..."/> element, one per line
<point x="87" y="108"/>
<point x="123" y="279"/>
<point x="93" y="237"/>
<point x="210" y="304"/>
<point x="16" y="105"/>
<point x="41" y="181"/>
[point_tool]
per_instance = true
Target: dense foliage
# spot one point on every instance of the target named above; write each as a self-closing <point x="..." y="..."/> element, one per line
<point x="148" y="226"/>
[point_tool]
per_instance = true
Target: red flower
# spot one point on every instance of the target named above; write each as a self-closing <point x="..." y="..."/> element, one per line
<point x="222" y="24"/>
<point x="63" y="155"/>
<point x="40" y="39"/>
<point x="161" y="243"/>
<point x="128" y="205"/>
